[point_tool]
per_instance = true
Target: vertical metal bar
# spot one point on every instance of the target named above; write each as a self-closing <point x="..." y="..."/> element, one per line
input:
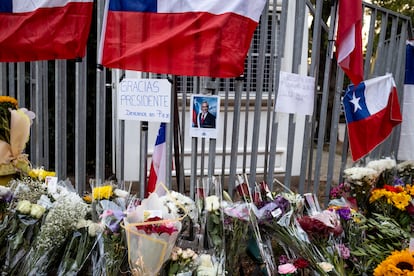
<point x="100" y="105"/>
<point x="307" y="137"/>
<point x="169" y="138"/>
<point x="3" y="78"/>
<point x="32" y="96"/>
<point x="225" y="122"/>
<point x="379" y="65"/>
<point x="324" y="103"/>
<point x="259" y="92"/>
<point x="392" y="44"/>
<point x="39" y="113"/>
<point x="297" y="56"/>
<point x="194" y="148"/>
<point x="275" y="121"/>
<point x="45" y="110"/>
<point x="334" y="133"/>
<point x="235" y="136"/>
<point x="269" y="111"/>
<point x="80" y="125"/>
<point x="12" y="79"/>
<point x="60" y="119"/>
<point x="21" y="78"/>
<point x="143" y="158"/>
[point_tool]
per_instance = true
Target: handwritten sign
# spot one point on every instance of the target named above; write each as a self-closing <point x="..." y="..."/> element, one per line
<point x="296" y="94"/>
<point x="144" y="100"/>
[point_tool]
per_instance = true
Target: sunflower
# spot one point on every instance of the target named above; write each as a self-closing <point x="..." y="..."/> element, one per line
<point x="398" y="263"/>
<point x="8" y="102"/>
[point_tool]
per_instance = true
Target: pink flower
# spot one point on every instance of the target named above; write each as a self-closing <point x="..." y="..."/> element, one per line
<point x="286" y="268"/>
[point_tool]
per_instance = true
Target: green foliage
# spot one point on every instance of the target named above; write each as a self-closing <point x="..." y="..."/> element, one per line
<point x="405" y="7"/>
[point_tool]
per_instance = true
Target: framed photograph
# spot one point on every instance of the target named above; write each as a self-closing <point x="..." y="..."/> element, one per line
<point x="204" y="113"/>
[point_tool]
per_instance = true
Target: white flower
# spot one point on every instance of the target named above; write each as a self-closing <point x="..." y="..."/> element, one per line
<point x="4" y="190"/>
<point x="382" y="164"/>
<point x="37" y="211"/>
<point x="187" y="254"/>
<point x="327" y="267"/>
<point x="212" y="203"/>
<point x="121" y="193"/>
<point x="95" y="228"/>
<point x="24" y="207"/>
<point x="205" y="260"/>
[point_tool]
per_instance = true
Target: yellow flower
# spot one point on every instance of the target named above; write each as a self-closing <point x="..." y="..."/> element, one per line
<point x="87" y="198"/>
<point x="102" y="192"/>
<point x="9" y="100"/>
<point x="401" y="200"/>
<point x="376" y="194"/>
<point x="410" y="189"/>
<point x="398" y="263"/>
<point x="41" y="174"/>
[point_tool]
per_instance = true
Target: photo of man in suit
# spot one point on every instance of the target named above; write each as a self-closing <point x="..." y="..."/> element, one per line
<point x="205" y="118"/>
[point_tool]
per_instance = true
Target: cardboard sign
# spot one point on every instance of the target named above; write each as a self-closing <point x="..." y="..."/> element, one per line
<point x="144" y="100"/>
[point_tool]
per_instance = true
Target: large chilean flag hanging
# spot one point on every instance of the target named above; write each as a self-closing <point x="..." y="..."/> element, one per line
<point x="372" y="110"/>
<point x="181" y="37"/>
<point x="349" y="39"/>
<point x="44" y="29"/>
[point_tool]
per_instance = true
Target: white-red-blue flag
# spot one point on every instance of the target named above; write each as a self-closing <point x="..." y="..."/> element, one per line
<point x="180" y="37"/>
<point x="157" y="173"/>
<point x="372" y="110"/>
<point x="406" y="147"/>
<point x="349" y="39"/>
<point x="44" y="29"/>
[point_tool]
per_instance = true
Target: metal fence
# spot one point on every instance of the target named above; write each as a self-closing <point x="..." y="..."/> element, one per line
<point x="77" y="133"/>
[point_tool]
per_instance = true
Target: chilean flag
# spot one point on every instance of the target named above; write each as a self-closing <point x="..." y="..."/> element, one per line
<point x="44" y="29"/>
<point x="349" y="39"/>
<point x="372" y="110"/>
<point x="180" y="37"/>
<point x="406" y="147"/>
<point x="158" y="168"/>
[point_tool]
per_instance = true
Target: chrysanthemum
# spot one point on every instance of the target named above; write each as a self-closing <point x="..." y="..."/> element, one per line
<point x="102" y="192"/>
<point x="398" y="263"/>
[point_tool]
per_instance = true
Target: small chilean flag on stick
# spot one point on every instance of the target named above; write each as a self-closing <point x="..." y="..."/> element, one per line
<point x="180" y="37"/>
<point x="158" y="167"/>
<point x="44" y="29"/>
<point x="372" y="110"/>
<point x="349" y="39"/>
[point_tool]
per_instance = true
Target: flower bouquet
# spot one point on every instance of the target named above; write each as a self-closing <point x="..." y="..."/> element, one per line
<point x="151" y="231"/>
<point x="14" y="133"/>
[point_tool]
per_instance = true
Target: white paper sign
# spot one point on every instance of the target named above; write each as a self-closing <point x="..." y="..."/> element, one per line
<point x="296" y="94"/>
<point x="144" y="100"/>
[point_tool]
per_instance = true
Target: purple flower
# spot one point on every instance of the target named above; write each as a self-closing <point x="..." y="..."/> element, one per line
<point x="282" y="203"/>
<point x="344" y="213"/>
<point x="283" y="259"/>
<point x="343" y="251"/>
<point x="112" y="219"/>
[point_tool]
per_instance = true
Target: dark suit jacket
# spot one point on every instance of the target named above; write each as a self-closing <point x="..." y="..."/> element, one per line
<point x="209" y="121"/>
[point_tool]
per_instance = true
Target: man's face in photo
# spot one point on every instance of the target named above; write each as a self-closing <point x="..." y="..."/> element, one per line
<point x="204" y="107"/>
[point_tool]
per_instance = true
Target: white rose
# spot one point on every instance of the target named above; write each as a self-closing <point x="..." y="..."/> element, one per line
<point x="37" y="211"/>
<point x="212" y="203"/>
<point x="327" y="267"/>
<point x="121" y="193"/>
<point x="24" y="207"/>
